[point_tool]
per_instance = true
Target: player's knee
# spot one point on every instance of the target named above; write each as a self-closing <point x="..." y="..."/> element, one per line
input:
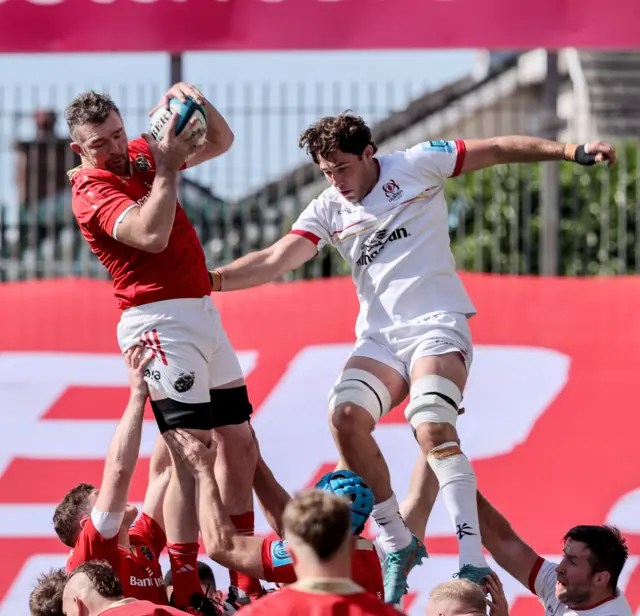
<point x="434" y="404"/>
<point x="358" y="396"/>
<point x="431" y="435"/>
<point x="350" y="418"/>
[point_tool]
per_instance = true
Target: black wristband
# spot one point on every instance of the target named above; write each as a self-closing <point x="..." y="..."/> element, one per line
<point x="584" y="158"/>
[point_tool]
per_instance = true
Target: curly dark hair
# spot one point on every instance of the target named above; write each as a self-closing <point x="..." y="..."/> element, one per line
<point x="346" y="132"/>
<point x="89" y="108"/>
<point x="67" y="516"/>
<point x="46" y="597"/>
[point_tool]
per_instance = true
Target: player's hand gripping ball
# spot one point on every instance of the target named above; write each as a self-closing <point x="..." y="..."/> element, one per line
<point x="187" y="111"/>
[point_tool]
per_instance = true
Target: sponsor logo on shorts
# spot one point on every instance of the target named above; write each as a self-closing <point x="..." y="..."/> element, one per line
<point x="185" y="382"/>
<point x="392" y="191"/>
<point x="377" y="242"/>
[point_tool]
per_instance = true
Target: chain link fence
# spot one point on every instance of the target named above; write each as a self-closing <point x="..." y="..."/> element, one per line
<point x="249" y="197"/>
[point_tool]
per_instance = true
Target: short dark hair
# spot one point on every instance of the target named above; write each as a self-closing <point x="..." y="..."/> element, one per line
<point x="102" y="577"/>
<point x="608" y="548"/>
<point x="89" y="108"/>
<point x="205" y="575"/>
<point x="46" y="597"/>
<point x="67" y="516"/>
<point x="321" y="520"/>
<point x="345" y="132"/>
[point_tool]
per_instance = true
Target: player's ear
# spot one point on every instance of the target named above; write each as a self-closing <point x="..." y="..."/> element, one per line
<point x="83" y="522"/>
<point x="76" y="148"/>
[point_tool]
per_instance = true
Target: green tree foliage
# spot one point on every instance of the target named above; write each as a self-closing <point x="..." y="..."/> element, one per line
<point x="496" y="218"/>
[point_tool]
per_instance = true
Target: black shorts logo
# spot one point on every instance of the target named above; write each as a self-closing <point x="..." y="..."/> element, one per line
<point x="185" y="382"/>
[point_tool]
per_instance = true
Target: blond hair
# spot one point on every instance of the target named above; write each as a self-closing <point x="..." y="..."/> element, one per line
<point x="463" y="591"/>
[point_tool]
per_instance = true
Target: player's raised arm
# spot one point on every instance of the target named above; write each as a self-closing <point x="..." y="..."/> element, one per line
<point x="509" y="551"/>
<point x="264" y="266"/>
<point x="219" y="137"/>
<point x="273" y="498"/>
<point x="482" y="153"/>
<point x="221" y="539"/>
<point x="148" y="228"/>
<point x="124" y="448"/>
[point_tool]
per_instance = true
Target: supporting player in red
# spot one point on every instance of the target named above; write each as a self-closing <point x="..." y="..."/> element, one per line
<point x="266" y="559"/>
<point x="318" y="532"/>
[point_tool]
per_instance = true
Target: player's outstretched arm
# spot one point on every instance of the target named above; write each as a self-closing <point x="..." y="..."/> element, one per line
<point x="273" y="498"/>
<point x="508" y="550"/>
<point x="264" y="266"/>
<point x="148" y="228"/>
<point x="159" y="476"/>
<point x="221" y="540"/>
<point x="124" y="448"/>
<point x="482" y="153"/>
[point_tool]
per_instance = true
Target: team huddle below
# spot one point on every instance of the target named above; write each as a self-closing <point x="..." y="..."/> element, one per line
<point x="387" y="216"/>
<point x="321" y="561"/>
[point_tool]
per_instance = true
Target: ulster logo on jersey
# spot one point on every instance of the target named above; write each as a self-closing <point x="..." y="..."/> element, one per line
<point x="374" y="244"/>
<point x="392" y="191"/>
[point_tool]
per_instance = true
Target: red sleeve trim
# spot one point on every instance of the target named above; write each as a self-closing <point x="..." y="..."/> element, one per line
<point x="461" y="149"/>
<point x="534" y="574"/>
<point x="310" y="236"/>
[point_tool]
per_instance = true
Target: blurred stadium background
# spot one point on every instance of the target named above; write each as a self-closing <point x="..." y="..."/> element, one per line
<point x="549" y="252"/>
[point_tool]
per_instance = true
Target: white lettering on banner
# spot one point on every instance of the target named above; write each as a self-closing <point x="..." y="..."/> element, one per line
<point x="30" y="383"/>
<point x="291" y="425"/>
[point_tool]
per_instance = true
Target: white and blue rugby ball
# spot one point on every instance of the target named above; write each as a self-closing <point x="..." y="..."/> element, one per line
<point x="187" y="111"/>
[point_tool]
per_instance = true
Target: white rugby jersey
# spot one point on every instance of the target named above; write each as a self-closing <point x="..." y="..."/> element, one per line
<point x="397" y="239"/>
<point x="542" y="582"/>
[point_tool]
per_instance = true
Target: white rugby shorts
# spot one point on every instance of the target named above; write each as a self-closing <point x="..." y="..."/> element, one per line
<point x="400" y="346"/>
<point x="191" y="351"/>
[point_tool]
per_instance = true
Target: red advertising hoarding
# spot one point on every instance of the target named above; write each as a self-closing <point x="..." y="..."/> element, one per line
<point x="551" y="424"/>
<point x="183" y="25"/>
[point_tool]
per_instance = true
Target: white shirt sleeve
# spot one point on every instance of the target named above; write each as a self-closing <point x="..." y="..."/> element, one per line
<point x="313" y="225"/>
<point x="544" y="584"/>
<point x="437" y="160"/>
<point x="107" y="523"/>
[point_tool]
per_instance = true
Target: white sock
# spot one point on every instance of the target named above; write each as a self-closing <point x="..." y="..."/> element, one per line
<point x="394" y="534"/>
<point x="458" y="485"/>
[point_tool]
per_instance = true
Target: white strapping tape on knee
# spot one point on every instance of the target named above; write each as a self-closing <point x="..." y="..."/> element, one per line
<point x="362" y="388"/>
<point x="427" y="406"/>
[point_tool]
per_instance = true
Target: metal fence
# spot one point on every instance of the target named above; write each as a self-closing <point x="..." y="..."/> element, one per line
<point x="500" y="219"/>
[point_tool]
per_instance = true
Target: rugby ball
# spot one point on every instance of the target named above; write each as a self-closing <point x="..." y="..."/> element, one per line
<point x="187" y="111"/>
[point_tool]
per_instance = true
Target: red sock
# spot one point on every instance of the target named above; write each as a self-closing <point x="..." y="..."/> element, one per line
<point x="184" y="572"/>
<point x="249" y="585"/>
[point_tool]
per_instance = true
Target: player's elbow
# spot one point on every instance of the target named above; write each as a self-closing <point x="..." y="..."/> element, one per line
<point x="155" y="243"/>
<point x="219" y="545"/>
<point x="226" y="140"/>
